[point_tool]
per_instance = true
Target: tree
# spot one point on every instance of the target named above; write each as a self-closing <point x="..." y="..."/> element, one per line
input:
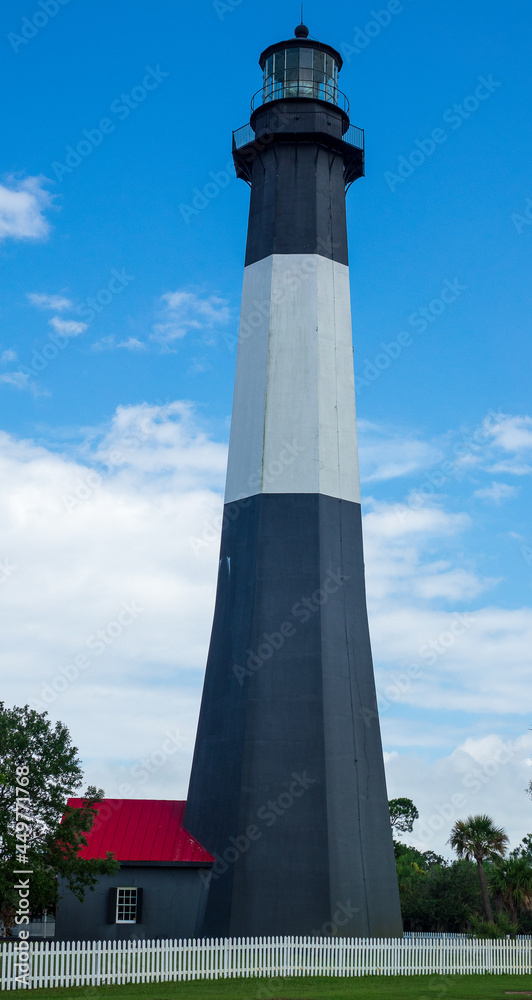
<point x="510" y="880"/>
<point x="478" y="838"/>
<point x="39" y="770"/>
<point x="402" y="815"/>
<point x="436" y="895"/>
<point x="524" y="849"/>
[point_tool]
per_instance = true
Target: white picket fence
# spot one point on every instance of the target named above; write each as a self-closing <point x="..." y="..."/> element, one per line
<point x="100" y="963"/>
<point x="451" y="935"/>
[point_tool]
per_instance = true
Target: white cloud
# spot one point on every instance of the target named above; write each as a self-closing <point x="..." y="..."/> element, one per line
<point x="427" y="655"/>
<point x="184" y="311"/>
<point x="179" y="313"/>
<point x="110" y="343"/>
<point x="132" y="344"/>
<point x="398" y="521"/>
<point x="513" y="467"/>
<point x="56" y="302"/>
<point x="513" y="433"/>
<point x="384" y="455"/>
<point x="487" y="774"/>
<point x="117" y="522"/>
<point x="17" y="379"/>
<point x="442" y="580"/>
<point x="496" y="493"/>
<point x="208" y="310"/>
<point x="85" y="542"/>
<point x="162" y="441"/>
<point x="476" y="662"/>
<point x="500" y="444"/>
<point x="8" y="355"/>
<point x="22" y="205"/>
<point x="21" y="380"/>
<point x="67" y="327"/>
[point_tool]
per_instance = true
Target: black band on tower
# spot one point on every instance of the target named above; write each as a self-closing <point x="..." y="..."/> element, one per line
<point x="297" y="203"/>
<point x="288" y="738"/>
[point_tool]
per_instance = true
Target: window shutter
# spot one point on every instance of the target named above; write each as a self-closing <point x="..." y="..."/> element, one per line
<point x="139" y="906"/>
<point x="111" y="906"/>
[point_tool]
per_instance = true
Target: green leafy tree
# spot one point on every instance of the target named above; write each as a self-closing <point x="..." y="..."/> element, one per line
<point x="402" y="815"/>
<point x="436" y="895"/>
<point x="524" y="849"/>
<point x="502" y="927"/>
<point x="412" y="873"/>
<point x="39" y="770"/>
<point x="477" y="838"/>
<point x="453" y="897"/>
<point x="510" y="881"/>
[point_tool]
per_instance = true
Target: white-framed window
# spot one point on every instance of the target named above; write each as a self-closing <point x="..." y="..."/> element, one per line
<point x="126" y="905"/>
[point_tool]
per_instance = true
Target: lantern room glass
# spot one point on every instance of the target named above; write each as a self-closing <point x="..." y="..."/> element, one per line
<point x="300" y="72"/>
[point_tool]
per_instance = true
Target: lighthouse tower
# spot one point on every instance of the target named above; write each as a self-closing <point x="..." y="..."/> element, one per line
<point x="287" y="789"/>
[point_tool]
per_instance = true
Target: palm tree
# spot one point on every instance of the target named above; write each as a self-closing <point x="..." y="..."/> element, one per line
<point x="477" y="837"/>
<point x="511" y="881"/>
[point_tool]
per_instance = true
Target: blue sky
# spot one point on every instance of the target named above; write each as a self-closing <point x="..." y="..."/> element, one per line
<point x="147" y="220"/>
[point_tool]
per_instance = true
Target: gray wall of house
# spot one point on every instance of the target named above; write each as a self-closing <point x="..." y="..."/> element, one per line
<point x="173" y="902"/>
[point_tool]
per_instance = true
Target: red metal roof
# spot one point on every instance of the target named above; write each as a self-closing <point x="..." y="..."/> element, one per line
<point x="141" y="830"/>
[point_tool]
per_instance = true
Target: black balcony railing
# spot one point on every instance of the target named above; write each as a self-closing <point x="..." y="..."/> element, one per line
<point x="278" y="91"/>
<point x="246" y="135"/>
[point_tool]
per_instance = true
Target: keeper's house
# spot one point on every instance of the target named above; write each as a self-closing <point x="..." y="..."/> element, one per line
<point x="161" y="888"/>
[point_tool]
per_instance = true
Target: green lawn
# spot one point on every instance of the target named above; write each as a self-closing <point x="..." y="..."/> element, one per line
<point x="366" y="988"/>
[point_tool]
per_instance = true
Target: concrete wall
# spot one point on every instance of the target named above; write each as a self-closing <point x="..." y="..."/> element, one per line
<point x="173" y="902"/>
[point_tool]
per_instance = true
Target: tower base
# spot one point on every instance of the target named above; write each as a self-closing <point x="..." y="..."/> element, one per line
<point x="287" y="787"/>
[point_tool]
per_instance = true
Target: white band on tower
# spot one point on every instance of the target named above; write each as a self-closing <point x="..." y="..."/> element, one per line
<point x="294" y="370"/>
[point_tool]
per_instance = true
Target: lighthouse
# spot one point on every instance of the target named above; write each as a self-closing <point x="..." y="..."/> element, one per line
<point x="287" y="789"/>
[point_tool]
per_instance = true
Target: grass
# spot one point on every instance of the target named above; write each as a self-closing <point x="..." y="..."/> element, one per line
<point x="482" y="987"/>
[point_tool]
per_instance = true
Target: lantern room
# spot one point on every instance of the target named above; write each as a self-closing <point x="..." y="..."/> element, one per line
<point x="300" y="68"/>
